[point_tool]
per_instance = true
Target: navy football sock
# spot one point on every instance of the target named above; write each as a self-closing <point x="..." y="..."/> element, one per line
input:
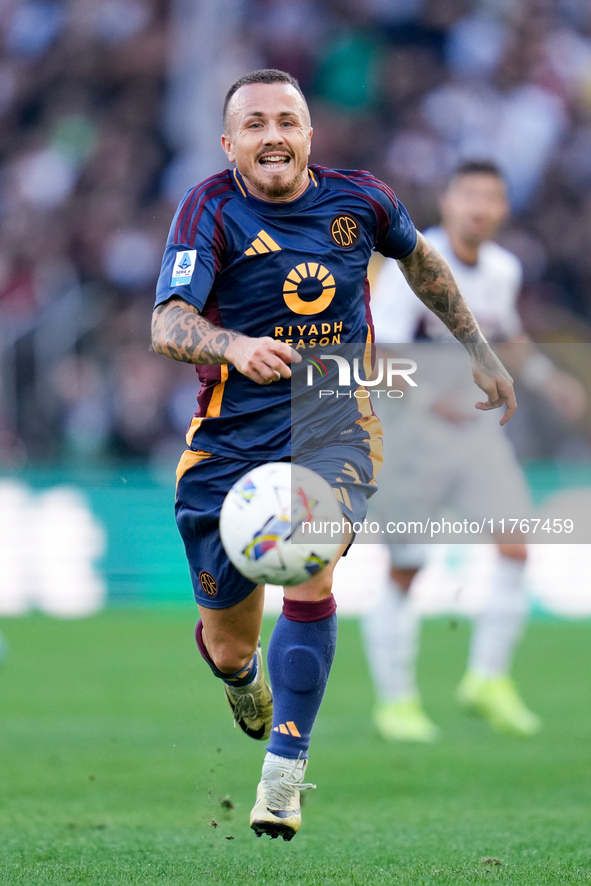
<point x="241" y="678"/>
<point x="300" y="655"/>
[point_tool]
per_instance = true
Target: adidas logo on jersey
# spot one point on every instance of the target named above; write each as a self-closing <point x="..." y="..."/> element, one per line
<point x="262" y="244"/>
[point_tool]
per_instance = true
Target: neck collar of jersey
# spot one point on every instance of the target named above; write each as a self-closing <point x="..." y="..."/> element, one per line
<point x="278" y="208"/>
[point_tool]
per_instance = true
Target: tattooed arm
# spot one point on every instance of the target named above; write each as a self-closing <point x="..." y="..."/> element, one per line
<point x="430" y="277"/>
<point x="181" y="333"/>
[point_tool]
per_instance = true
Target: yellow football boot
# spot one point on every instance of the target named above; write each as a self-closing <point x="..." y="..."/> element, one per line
<point x="497" y="700"/>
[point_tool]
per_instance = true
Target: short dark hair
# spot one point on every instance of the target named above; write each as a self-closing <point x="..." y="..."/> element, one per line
<point x="476" y="167"/>
<point x="266" y="75"/>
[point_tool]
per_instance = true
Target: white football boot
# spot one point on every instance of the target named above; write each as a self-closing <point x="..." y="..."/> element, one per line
<point x="277" y="809"/>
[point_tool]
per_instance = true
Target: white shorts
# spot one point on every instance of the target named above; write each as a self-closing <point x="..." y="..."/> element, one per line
<point x="433" y="468"/>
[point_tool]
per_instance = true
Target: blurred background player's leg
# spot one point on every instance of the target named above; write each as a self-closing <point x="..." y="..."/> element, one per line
<point x="391" y="631"/>
<point x="501" y="489"/>
<point x="487" y="687"/>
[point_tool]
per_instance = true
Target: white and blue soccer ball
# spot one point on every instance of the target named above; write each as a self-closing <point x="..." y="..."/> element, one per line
<point x="281" y="524"/>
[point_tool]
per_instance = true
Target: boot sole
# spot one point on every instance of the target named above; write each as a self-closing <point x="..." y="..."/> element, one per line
<point x="273" y="829"/>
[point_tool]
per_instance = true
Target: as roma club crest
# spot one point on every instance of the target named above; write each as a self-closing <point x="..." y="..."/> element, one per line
<point x="208" y="583"/>
<point x="345" y="231"/>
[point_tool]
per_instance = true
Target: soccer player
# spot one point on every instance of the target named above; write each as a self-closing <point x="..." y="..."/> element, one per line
<point x="259" y="259"/>
<point x="483" y="482"/>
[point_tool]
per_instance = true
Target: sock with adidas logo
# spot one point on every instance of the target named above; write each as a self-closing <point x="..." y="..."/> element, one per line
<point x="299" y="658"/>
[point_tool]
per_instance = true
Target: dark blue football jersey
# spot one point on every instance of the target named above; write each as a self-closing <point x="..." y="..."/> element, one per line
<point x="294" y="271"/>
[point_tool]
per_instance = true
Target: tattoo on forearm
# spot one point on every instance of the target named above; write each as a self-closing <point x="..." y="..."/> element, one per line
<point x="430" y="277"/>
<point x="181" y="333"/>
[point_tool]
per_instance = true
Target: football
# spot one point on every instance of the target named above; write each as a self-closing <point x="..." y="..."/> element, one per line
<point x="281" y="524"/>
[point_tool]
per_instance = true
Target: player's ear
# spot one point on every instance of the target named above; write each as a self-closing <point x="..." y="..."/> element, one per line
<point x="310" y="140"/>
<point x="227" y="148"/>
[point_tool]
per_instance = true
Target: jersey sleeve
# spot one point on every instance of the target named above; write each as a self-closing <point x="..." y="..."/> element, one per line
<point x="401" y="237"/>
<point x="190" y="257"/>
<point x="512" y="326"/>
<point x="396" y="235"/>
<point x="395" y="309"/>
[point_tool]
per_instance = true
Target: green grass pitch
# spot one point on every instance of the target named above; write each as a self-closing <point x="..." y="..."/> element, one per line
<point x="119" y="765"/>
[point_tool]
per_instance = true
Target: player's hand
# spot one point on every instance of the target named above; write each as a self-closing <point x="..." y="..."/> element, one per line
<point x="264" y="360"/>
<point x="448" y="408"/>
<point x="491" y="376"/>
<point x="567" y="395"/>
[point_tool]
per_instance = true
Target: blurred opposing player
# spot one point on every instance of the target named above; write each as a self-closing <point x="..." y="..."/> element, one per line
<point x="444" y="455"/>
<point x="258" y="259"/>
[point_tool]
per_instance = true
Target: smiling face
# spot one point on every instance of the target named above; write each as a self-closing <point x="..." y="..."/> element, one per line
<point x="268" y="136"/>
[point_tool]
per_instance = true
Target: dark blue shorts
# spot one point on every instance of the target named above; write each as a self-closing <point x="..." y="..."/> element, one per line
<point x="350" y="464"/>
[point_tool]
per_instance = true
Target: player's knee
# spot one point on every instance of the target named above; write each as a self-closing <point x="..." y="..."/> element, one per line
<point x="230" y="657"/>
<point x="403" y="577"/>
<point x="516" y="552"/>
<point x="315" y="589"/>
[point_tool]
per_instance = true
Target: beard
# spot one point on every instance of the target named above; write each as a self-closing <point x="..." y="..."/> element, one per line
<point x="278" y="188"/>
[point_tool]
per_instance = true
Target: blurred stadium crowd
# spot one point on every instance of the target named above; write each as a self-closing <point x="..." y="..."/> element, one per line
<point x="106" y="118"/>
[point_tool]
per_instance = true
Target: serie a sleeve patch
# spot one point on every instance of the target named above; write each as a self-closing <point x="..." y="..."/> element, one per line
<point x="184" y="266"/>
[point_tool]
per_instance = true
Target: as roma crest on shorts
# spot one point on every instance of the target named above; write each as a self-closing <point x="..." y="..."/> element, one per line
<point x="345" y="231"/>
<point x="208" y="583"/>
